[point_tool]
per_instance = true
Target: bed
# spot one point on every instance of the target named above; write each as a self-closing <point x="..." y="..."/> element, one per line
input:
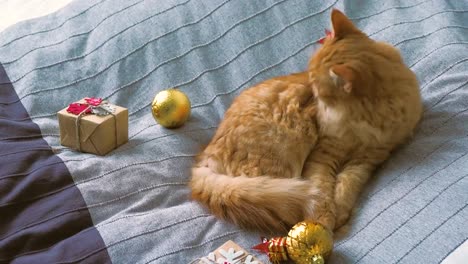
<point x="58" y="205"/>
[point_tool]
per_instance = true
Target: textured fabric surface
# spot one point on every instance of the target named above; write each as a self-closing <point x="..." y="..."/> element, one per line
<point x="413" y="211"/>
<point x="44" y="218"/>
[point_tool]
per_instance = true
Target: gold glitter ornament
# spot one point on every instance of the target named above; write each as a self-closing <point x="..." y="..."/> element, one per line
<point x="171" y="108"/>
<point x="309" y="243"/>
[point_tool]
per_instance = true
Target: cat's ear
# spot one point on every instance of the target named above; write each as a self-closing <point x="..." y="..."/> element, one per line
<point x="341" y="24"/>
<point x="343" y="76"/>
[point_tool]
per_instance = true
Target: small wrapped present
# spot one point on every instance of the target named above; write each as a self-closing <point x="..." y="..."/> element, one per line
<point x="93" y="125"/>
<point x="228" y="253"/>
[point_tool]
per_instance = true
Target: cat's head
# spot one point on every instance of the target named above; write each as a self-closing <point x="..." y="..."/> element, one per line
<point x="347" y="65"/>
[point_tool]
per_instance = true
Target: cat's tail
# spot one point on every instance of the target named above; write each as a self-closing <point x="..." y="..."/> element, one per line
<point x="261" y="203"/>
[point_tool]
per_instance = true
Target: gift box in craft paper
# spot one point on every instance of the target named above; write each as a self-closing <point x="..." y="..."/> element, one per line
<point x="94" y="126"/>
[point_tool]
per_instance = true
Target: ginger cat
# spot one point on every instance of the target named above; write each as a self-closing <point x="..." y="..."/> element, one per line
<point x="265" y="168"/>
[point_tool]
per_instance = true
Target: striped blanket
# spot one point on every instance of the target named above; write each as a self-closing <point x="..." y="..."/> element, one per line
<point x="58" y="205"/>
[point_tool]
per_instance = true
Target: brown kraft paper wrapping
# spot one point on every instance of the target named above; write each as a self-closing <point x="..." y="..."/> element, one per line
<point x="98" y="134"/>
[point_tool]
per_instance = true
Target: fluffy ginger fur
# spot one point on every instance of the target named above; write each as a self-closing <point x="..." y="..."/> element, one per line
<point x="302" y="146"/>
<point x="250" y="172"/>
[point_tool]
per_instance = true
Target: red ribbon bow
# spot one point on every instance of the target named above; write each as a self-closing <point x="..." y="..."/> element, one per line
<point x="328" y="34"/>
<point x="93" y="101"/>
<point x="78" y="108"/>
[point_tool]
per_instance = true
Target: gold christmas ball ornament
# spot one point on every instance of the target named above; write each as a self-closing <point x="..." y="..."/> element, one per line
<point x="171" y="108"/>
<point x="309" y="243"/>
